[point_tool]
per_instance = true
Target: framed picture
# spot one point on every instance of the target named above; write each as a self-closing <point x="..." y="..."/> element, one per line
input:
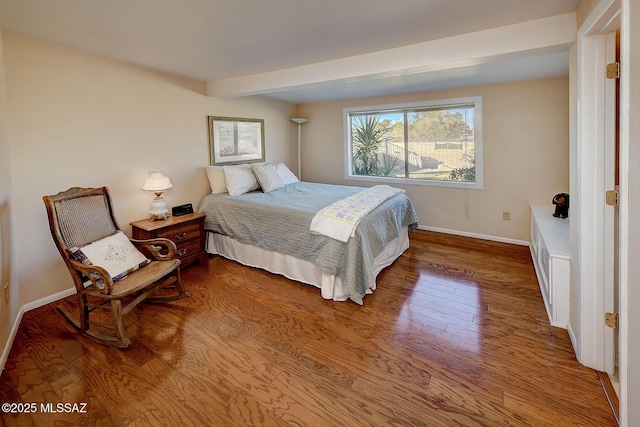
<point x="234" y="140"/>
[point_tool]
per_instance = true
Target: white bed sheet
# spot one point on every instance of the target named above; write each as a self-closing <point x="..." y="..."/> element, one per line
<point x="299" y="269"/>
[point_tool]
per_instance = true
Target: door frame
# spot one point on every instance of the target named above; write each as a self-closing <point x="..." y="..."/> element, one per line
<point x="590" y="262"/>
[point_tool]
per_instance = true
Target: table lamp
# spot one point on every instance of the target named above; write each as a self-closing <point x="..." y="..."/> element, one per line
<point x="157" y="183"/>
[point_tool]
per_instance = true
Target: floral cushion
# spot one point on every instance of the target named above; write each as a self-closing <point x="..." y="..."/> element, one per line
<point x="114" y="253"/>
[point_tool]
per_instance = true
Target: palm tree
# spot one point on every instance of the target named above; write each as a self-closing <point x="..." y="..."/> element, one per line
<point x="368" y="137"/>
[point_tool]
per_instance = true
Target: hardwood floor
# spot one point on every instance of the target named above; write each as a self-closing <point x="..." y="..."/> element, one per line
<point x="455" y="334"/>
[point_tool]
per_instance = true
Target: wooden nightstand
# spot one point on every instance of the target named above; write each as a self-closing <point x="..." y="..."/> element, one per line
<point x="186" y="231"/>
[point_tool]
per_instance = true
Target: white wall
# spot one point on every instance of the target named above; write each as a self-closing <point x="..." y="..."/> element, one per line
<point x="8" y="270"/>
<point x="77" y="119"/>
<point x="526" y="155"/>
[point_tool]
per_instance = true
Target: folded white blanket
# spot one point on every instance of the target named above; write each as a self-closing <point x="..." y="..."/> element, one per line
<point x="340" y="219"/>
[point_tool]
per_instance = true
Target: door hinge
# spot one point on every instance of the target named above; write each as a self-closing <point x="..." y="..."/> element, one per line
<point x="611" y="320"/>
<point x="612" y="197"/>
<point x="613" y="70"/>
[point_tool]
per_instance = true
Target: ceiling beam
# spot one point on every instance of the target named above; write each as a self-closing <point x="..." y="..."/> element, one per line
<point x="547" y="35"/>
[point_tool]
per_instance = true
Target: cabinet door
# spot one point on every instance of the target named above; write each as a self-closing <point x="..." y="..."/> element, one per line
<point x="545" y="269"/>
<point x="535" y="238"/>
<point x="559" y="291"/>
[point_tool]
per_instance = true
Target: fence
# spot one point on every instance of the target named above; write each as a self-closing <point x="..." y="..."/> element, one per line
<point x="397" y="151"/>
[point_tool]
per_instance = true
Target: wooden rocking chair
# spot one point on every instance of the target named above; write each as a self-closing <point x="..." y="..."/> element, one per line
<point x="81" y="220"/>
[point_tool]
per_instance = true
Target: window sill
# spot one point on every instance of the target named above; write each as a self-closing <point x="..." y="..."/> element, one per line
<point x="409" y="181"/>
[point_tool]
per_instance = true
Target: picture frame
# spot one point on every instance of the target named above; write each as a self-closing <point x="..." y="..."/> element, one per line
<point x="234" y="140"/>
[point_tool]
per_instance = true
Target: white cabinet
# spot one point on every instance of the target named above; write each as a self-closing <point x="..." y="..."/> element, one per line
<point x="550" y="251"/>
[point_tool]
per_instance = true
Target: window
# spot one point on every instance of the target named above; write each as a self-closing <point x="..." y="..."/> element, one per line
<point x="431" y="143"/>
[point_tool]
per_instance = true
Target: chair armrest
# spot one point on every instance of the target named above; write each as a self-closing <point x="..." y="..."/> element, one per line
<point x="160" y="249"/>
<point x="99" y="277"/>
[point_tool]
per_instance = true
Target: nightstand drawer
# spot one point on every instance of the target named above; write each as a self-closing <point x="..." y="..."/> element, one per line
<point x="187" y="249"/>
<point x="181" y="233"/>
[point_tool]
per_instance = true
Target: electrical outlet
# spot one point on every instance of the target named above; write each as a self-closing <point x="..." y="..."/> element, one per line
<point x="6" y="293"/>
<point x="506" y="216"/>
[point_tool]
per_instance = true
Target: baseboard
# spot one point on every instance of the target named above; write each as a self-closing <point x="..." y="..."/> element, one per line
<point x="12" y="336"/>
<point x="475" y="235"/>
<point x="46" y="300"/>
<point x="27" y="307"/>
<point x="610" y="392"/>
<point x="574" y="341"/>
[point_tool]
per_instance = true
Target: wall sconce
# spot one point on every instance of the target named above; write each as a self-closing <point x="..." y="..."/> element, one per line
<point x="157" y="183"/>
<point x="299" y="122"/>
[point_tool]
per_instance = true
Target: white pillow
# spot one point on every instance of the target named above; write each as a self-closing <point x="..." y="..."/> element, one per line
<point x="114" y="253"/>
<point x="267" y="177"/>
<point x="218" y="184"/>
<point x="240" y="179"/>
<point x="285" y="174"/>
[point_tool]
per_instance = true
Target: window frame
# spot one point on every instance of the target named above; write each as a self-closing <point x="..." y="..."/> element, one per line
<point x="444" y="103"/>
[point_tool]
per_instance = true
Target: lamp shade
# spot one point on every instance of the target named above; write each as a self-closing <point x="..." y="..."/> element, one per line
<point x="157" y="181"/>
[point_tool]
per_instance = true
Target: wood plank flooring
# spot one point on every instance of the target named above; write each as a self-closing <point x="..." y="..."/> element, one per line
<point x="455" y="334"/>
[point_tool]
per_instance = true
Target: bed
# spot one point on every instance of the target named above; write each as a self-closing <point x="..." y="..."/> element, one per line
<point x="269" y="225"/>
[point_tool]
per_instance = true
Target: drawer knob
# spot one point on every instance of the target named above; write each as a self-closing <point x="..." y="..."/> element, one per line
<point x="182" y="252"/>
<point x="180" y="236"/>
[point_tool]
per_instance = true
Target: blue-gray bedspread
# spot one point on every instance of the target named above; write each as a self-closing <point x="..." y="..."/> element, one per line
<point x="280" y="221"/>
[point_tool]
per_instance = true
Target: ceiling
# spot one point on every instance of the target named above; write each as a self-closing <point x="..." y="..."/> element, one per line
<point x="283" y="48"/>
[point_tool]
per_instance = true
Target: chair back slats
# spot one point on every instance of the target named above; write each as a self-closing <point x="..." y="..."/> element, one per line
<point x="84" y="219"/>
